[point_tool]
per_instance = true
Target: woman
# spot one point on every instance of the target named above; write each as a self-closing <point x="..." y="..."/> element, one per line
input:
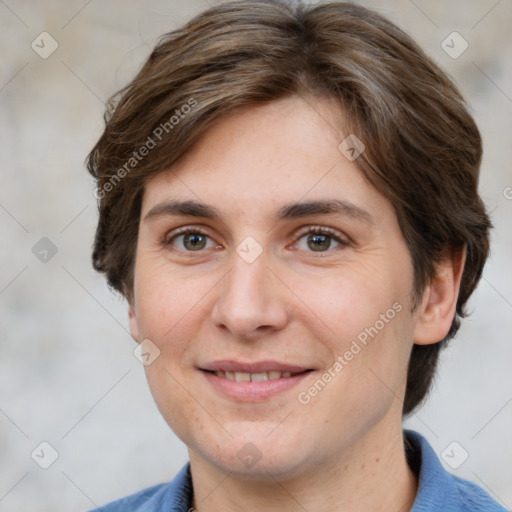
<point x="288" y="201"/>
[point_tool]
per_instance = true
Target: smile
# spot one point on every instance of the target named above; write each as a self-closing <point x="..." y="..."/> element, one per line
<point x="254" y="377"/>
<point x="252" y="382"/>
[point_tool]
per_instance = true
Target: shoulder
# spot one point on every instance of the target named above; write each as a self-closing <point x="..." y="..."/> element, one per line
<point x="172" y="496"/>
<point x="137" y="502"/>
<point x="473" y="498"/>
<point x="437" y="488"/>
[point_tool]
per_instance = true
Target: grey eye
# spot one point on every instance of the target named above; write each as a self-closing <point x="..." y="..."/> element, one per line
<point x="318" y="242"/>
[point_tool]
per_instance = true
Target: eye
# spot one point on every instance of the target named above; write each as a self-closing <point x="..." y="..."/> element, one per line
<point x="319" y="239"/>
<point x="192" y="238"/>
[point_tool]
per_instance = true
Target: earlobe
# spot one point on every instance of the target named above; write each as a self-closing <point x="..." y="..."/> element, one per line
<point x="439" y="301"/>
<point x="134" y="325"/>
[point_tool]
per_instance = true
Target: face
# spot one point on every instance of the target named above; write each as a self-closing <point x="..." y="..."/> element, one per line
<point x="317" y="300"/>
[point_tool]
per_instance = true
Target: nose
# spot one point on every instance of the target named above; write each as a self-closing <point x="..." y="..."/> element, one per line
<point x="251" y="300"/>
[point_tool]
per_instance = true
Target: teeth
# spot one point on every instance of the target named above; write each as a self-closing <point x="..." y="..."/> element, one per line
<point x="259" y="376"/>
<point x="254" y="377"/>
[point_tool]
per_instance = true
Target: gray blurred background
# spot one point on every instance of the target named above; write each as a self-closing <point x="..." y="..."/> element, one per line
<point x="68" y="376"/>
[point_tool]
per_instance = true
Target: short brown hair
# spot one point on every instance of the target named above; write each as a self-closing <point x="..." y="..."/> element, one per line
<point x="423" y="149"/>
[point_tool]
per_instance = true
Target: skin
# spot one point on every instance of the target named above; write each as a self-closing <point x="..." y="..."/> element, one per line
<point x="344" y="449"/>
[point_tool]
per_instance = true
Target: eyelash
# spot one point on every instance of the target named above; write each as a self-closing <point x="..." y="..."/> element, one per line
<point x="321" y="230"/>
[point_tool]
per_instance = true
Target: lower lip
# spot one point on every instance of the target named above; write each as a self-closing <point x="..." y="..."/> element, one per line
<point x="253" y="391"/>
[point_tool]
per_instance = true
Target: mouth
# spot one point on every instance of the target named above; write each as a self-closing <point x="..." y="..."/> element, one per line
<point x="253" y="382"/>
<point x="256" y="376"/>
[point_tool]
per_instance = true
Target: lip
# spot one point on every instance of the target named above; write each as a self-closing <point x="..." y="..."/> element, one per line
<point x="251" y="367"/>
<point x="253" y="391"/>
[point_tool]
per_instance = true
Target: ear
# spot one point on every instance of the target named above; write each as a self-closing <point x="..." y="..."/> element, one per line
<point x="133" y="323"/>
<point x="440" y="300"/>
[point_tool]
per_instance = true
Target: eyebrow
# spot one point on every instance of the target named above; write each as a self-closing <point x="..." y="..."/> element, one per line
<point x="288" y="211"/>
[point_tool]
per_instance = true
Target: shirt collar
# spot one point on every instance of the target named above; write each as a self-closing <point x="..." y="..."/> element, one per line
<point x="436" y="487"/>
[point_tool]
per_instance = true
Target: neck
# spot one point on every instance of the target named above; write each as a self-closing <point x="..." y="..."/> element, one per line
<point x="373" y="474"/>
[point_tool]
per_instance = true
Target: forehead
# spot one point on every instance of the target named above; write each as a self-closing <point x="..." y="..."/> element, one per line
<point x="258" y="160"/>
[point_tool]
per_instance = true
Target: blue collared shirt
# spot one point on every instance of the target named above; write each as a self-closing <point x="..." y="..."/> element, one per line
<point x="438" y="490"/>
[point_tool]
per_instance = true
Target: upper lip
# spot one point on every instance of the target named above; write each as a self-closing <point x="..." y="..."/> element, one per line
<point x="251" y="367"/>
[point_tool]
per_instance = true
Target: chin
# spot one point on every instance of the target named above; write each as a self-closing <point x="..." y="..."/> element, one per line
<point x="256" y="457"/>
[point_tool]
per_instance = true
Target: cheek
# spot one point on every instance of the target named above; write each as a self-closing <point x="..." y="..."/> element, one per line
<point x="164" y="300"/>
<point x="176" y="400"/>
<point x="167" y="306"/>
<point x="362" y="317"/>
<point x="343" y="302"/>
